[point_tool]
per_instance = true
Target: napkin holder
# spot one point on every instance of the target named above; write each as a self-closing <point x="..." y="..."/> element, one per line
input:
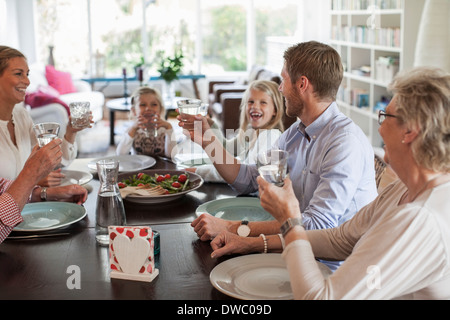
<point x="131" y="253"/>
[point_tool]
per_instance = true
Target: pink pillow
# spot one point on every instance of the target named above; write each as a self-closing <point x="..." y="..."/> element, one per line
<point x="60" y="80"/>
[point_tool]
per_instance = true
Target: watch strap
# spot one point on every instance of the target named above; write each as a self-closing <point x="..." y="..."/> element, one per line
<point x="289" y="224"/>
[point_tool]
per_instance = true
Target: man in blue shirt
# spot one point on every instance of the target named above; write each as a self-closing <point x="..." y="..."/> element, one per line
<point x="331" y="162"/>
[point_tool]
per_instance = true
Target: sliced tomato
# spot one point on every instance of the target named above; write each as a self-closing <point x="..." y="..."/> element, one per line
<point x="182" y="178"/>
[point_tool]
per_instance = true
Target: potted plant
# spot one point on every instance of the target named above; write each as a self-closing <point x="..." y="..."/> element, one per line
<point x="169" y="67"/>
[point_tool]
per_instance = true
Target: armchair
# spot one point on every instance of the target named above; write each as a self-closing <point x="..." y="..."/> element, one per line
<point x="52" y="98"/>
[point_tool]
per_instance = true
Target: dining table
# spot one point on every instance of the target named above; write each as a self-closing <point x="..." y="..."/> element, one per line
<point x="68" y="264"/>
<point x="42" y="267"/>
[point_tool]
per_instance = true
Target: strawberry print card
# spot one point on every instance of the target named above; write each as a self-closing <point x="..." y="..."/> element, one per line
<point x="131" y="253"/>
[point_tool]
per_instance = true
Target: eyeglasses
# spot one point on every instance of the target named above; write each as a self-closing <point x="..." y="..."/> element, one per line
<point x="382" y="116"/>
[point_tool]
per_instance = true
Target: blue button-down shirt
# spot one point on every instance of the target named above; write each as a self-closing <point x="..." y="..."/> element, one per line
<point x="332" y="172"/>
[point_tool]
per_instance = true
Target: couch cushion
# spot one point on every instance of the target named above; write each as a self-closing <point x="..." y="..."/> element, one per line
<point x="60" y="80"/>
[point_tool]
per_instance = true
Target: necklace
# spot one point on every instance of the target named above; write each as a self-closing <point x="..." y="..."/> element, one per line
<point x="423" y="188"/>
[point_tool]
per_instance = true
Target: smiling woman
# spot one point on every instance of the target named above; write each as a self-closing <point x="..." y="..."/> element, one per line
<point x="17" y="137"/>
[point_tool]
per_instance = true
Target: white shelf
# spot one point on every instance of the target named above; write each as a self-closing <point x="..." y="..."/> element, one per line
<point x="359" y="46"/>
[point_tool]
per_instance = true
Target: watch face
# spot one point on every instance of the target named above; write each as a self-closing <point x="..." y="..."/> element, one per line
<point x="243" y="230"/>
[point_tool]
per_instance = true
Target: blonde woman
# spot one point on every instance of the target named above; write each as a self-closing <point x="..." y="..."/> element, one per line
<point x="149" y="134"/>
<point x="261" y="117"/>
<point x="16" y="126"/>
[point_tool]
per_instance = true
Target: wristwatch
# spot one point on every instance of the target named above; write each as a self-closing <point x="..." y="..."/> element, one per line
<point x="243" y="230"/>
<point x="43" y="194"/>
<point x="289" y="224"/>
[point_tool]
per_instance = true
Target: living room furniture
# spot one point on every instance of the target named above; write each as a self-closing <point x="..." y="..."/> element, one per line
<point x="52" y="91"/>
<point x="113" y="105"/>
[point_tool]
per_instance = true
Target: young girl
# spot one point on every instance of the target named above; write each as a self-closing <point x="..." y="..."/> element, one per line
<point x="262" y="110"/>
<point x="150" y="134"/>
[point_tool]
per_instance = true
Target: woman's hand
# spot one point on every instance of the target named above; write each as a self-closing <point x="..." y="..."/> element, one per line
<point x="280" y="202"/>
<point x="71" y="132"/>
<point x="43" y="160"/>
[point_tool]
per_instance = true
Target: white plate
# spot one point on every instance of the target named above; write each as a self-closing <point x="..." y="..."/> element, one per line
<point x="191" y="160"/>
<point x="75" y="177"/>
<point x="239" y="208"/>
<point x="44" y="216"/>
<point x="195" y="182"/>
<point x="255" y="277"/>
<point x="127" y="163"/>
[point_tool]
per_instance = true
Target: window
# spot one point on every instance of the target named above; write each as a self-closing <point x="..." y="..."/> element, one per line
<point x="100" y="37"/>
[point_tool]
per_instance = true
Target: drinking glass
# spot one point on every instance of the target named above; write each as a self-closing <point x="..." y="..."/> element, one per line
<point x="189" y="108"/>
<point x="150" y="126"/>
<point x="80" y="114"/>
<point x="46" y="132"/>
<point x="273" y="166"/>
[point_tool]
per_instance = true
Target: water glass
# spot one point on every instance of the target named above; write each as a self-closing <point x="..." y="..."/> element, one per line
<point x="273" y="166"/>
<point x="189" y="108"/>
<point x="80" y="114"/>
<point x="46" y="132"/>
<point x="151" y="125"/>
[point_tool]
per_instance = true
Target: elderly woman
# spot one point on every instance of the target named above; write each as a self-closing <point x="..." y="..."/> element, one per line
<point x="16" y="135"/>
<point x="398" y="246"/>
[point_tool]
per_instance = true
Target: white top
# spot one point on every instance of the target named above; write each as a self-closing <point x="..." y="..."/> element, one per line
<point x="245" y="151"/>
<point x="392" y="251"/>
<point x="13" y="158"/>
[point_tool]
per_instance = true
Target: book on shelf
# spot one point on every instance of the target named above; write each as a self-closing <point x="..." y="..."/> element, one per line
<point x="387" y="37"/>
<point x="365" y="4"/>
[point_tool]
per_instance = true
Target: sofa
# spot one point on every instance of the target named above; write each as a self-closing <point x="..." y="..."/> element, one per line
<point x="225" y="98"/>
<point x="51" y="91"/>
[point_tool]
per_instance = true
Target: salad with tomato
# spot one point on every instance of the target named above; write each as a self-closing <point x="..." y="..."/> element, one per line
<point x="171" y="183"/>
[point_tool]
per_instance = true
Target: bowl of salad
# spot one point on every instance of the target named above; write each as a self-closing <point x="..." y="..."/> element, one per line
<point x="157" y="185"/>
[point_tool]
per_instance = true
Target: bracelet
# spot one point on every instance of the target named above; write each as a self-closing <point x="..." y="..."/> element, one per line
<point x="43" y="194"/>
<point x="265" y="242"/>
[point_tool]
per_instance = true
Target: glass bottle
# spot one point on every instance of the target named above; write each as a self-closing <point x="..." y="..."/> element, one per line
<point x="110" y="210"/>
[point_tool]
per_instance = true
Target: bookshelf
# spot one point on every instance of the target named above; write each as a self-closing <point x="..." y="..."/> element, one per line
<point x="376" y="39"/>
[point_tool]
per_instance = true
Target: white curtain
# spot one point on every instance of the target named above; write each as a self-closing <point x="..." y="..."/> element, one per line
<point x="433" y="41"/>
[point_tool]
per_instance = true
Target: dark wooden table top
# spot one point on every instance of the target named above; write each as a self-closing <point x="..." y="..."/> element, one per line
<point x="42" y="268"/>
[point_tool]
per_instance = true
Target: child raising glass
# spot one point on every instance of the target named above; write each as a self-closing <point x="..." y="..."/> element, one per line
<point x="149" y="134"/>
<point x="262" y="110"/>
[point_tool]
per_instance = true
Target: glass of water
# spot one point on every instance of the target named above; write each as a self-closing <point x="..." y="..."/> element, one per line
<point x="189" y="108"/>
<point x="151" y="127"/>
<point x="46" y="132"/>
<point x="79" y="114"/>
<point x="273" y="166"/>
